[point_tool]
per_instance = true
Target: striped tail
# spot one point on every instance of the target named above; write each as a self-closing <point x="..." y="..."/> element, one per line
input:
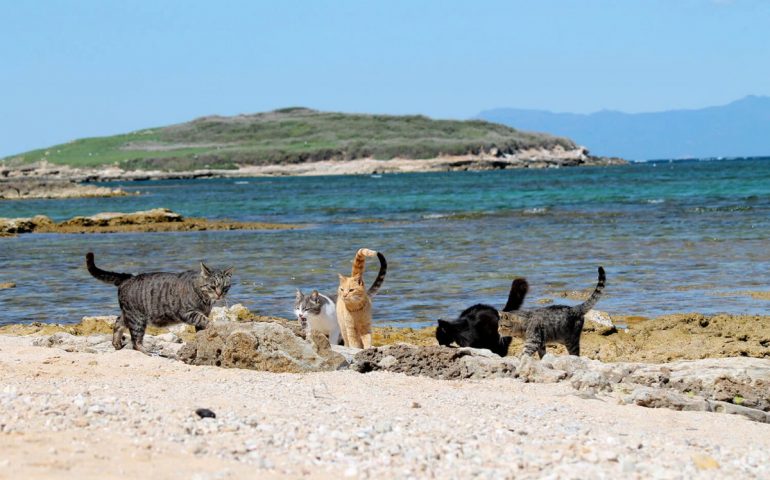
<point x="589" y="304"/>
<point x="359" y="262"/>
<point x="519" y="289"/>
<point x="113" y="278"/>
<point x="380" y="276"/>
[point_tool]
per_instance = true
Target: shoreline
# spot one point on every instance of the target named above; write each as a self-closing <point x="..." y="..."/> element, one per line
<point x="683" y="336"/>
<point x="531" y="158"/>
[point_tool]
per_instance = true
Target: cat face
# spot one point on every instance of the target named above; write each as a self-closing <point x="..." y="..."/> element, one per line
<point x="305" y="305"/>
<point x="445" y="333"/>
<point x="215" y="283"/>
<point x="352" y="289"/>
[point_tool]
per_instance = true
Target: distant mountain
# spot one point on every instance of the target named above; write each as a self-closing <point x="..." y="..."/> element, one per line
<point x="738" y="129"/>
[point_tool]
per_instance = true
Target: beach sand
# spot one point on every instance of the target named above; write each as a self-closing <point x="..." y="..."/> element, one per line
<point x="126" y="415"/>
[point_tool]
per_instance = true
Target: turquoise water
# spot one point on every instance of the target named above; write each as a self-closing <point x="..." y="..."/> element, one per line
<point x="673" y="237"/>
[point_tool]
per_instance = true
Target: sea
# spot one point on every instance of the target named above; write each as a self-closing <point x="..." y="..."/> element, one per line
<point x="673" y="236"/>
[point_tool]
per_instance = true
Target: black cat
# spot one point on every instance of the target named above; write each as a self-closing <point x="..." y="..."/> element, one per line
<point x="477" y="326"/>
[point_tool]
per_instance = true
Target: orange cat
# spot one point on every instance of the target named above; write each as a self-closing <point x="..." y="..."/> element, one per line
<point x="354" y="303"/>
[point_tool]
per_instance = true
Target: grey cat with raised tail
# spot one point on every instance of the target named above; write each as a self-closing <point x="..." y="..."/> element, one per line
<point x="161" y="298"/>
<point x="556" y="323"/>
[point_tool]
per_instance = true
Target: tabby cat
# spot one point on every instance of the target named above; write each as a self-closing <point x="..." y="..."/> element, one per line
<point x="161" y="298"/>
<point x="354" y="303"/>
<point x="556" y="323"/>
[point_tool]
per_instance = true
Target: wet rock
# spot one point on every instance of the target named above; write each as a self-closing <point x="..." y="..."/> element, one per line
<point x="156" y="215"/>
<point x="266" y="346"/>
<point x="23" y="188"/>
<point x="24" y="225"/>
<point x="6" y="285"/>
<point x="156" y="220"/>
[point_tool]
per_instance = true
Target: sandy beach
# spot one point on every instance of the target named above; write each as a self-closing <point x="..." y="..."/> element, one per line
<point x="126" y="415"/>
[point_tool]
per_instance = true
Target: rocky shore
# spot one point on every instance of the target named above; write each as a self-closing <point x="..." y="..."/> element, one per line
<point x="555" y="157"/>
<point x="26" y="188"/>
<point x="156" y="220"/>
<point x="394" y="410"/>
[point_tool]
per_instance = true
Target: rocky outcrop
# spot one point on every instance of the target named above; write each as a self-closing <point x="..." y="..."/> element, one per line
<point x="435" y="361"/>
<point x="13" y="226"/>
<point x="265" y="346"/>
<point x="729" y="385"/>
<point x="164" y="345"/>
<point x="155" y="220"/>
<point x="24" y="187"/>
<point x="156" y="215"/>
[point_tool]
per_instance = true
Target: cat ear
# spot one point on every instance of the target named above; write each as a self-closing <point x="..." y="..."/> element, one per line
<point x="299" y="295"/>
<point x="358" y="278"/>
<point x="342" y="277"/>
<point x="229" y="271"/>
<point x="205" y="271"/>
<point x="314" y="294"/>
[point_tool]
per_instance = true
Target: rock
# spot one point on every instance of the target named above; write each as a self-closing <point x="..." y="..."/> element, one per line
<point x="205" y="413"/>
<point x="435" y="362"/>
<point x="729" y="385"/>
<point x="102" y="343"/>
<point x="156" y="220"/>
<point x="236" y="313"/>
<point x="601" y="318"/>
<point x="6" y="285"/>
<point x="23" y="188"/>
<point x="156" y="215"/>
<point x="266" y="346"/>
<point x="24" y="225"/>
<point x="348" y="352"/>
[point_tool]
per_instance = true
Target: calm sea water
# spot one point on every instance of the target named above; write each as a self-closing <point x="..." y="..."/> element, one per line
<point x="673" y="237"/>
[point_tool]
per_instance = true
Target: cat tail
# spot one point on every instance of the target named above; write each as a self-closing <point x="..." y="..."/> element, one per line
<point x="589" y="304"/>
<point x="519" y="289"/>
<point x="380" y="276"/>
<point x="107" y="277"/>
<point x="359" y="262"/>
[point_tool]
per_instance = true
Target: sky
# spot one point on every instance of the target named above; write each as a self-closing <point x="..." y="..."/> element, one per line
<point x="73" y="69"/>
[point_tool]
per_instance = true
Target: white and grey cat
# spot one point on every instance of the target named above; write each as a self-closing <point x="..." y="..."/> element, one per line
<point x="317" y="312"/>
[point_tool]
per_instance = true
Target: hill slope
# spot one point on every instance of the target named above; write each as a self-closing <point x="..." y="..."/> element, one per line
<point x="286" y="136"/>
<point x="739" y="129"/>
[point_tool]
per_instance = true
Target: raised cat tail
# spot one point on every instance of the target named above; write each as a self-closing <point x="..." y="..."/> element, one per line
<point x="380" y="276"/>
<point x="113" y="278"/>
<point x="519" y="289"/>
<point x="359" y="262"/>
<point x="589" y="304"/>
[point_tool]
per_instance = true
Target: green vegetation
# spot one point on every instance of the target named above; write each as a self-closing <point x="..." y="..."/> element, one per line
<point x="290" y="135"/>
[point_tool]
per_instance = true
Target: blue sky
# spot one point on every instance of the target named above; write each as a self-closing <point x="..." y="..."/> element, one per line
<point x="71" y="69"/>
